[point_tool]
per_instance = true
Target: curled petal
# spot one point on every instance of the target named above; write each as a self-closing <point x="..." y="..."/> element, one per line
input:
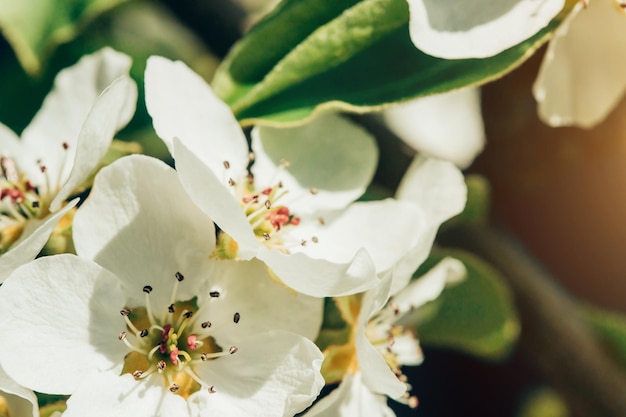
<point x="581" y="78"/>
<point x="65" y="109"/>
<point x="113" y="109"/>
<point x="321" y="277"/>
<point x="476" y="28"/>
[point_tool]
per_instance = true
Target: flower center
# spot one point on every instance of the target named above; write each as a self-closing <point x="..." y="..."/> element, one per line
<point x="266" y="214"/>
<point x="172" y="344"/>
<point x="21" y="200"/>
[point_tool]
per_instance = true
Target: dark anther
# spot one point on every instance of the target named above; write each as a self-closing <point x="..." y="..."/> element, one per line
<point x="65" y="145"/>
<point x="212" y="389"/>
<point x="147" y="289"/>
<point x="206" y="324"/>
<point x="179" y="276"/>
<point x="35" y="204"/>
<point x="188" y="314"/>
<point x="236" y="317"/>
<point x="214" y="294"/>
<point x="125" y="312"/>
<point x="143" y="333"/>
<point x="232" y="350"/>
<point x="226" y="164"/>
<point x="170" y="308"/>
<point x="174" y="388"/>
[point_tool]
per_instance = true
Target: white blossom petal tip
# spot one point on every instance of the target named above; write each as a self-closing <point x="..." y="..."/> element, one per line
<point x="581" y="78"/>
<point x="478" y="28"/>
<point x="446" y="126"/>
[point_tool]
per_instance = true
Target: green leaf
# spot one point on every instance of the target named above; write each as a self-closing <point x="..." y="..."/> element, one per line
<point x="35" y="27"/>
<point x="358" y="59"/>
<point x="611" y="329"/>
<point x="476" y="316"/>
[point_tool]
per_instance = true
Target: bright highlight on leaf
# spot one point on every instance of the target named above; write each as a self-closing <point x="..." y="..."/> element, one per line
<point x="35" y="27"/>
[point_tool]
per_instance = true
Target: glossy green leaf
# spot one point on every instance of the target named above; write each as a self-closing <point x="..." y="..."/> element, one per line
<point x="35" y="27"/>
<point x="476" y="316"/>
<point x="359" y="60"/>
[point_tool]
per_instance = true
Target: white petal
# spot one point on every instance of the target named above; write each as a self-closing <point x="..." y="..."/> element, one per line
<point x="139" y="223"/>
<point x="273" y="307"/>
<point x="330" y="153"/>
<point x="387" y="229"/>
<point x="477" y="28"/>
<point x="108" y="394"/>
<point x="60" y="320"/>
<point x="582" y="78"/>
<point x="284" y="382"/>
<point x="321" y="277"/>
<point x="182" y="105"/>
<point x="438" y="187"/>
<point x="213" y="197"/>
<point x="376" y="373"/>
<point x="446" y="126"/>
<point x="429" y="286"/>
<point x="32" y="240"/>
<point x="113" y="108"/>
<point x="351" y="398"/>
<point x="65" y="108"/>
<point x="20" y="401"/>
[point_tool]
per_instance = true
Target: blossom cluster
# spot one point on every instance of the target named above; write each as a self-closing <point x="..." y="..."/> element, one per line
<point x="199" y="290"/>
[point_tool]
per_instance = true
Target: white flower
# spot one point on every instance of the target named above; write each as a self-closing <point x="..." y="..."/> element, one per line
<point x="295" y="212"/>
<point x="69" y="135"/>
<point x="369" y="366"/>
<point x="582" y="76"/>
<point x="156" y="328"/>
<point x="446" y="126"/>
<point x="476" y="28"/>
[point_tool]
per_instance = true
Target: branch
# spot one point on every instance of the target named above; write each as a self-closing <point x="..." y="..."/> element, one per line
<point x="554" y="334"/>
